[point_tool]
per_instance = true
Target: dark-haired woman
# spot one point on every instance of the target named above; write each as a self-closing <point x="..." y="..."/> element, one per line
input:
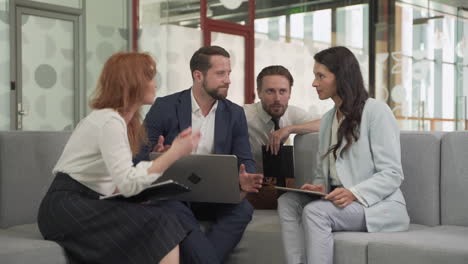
<point x="359" y="167"/>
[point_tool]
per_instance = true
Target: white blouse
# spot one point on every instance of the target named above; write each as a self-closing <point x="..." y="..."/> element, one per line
<point x="98" y="155"/>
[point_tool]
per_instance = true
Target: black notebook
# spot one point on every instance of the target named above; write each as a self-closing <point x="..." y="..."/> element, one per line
<point x="156" y="191"/>
<point x="280" y="166"/>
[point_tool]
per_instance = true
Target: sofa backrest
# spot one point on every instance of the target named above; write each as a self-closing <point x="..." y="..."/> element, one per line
<point x="26" y="162"/>
<point x="420" y="159"/>
<point x="420" y="152"/>
<point x="305" y="158"/>
<point x="454" y="179"/>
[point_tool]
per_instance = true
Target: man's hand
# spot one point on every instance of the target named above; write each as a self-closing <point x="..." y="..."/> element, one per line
<point x="249" y="182"/>
<point x="341" y="197"/>
<point x="276" y="138"/>
<point x="160" y="147"/>
<point x="314" y="188"/>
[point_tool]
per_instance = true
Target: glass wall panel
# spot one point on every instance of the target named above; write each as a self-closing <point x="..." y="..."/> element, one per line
<point x="423" y="70"/>
<point x="48" y="93"/>
<point x="461" y="70"/>
<point x="4" y="66"/>
<point x="163" y="24"/>
<point x="106" y="34"/>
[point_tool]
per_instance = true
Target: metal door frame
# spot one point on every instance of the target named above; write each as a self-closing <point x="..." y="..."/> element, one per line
<point x="74" y="15"/>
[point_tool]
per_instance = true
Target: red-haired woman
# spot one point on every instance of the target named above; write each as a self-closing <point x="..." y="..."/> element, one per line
<point x="97" y="160"/>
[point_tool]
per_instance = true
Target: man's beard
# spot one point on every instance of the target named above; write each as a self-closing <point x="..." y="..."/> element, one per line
<point x="275" y="113"/>
<point x="214" y="92"/>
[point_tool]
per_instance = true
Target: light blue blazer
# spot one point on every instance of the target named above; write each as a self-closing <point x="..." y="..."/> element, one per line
<point x="372" y="166"/>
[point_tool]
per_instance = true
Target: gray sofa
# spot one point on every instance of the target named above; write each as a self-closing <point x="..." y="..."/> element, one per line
<point x="436" y="176"/>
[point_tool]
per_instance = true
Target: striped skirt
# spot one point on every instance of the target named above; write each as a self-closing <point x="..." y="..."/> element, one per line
<point x="105" y="231"/>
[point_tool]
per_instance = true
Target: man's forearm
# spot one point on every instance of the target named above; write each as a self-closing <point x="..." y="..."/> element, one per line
<point x="304" y="128"/>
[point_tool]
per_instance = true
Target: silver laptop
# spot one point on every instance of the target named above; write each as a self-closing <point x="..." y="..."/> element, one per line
<point x="211" y="178"/>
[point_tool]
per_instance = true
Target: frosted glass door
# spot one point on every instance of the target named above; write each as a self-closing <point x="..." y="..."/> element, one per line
<point x="47" y="74"/>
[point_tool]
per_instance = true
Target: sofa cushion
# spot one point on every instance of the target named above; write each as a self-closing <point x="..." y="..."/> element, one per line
<point x="26" y="162"/>
<point x="454" y="179"/>
<point x="441" y="244"/>
<point x="261" y="242"/>
<point x="24" y="244"/>
<point x="420" y="159"/>
<point x="351" y="247"/>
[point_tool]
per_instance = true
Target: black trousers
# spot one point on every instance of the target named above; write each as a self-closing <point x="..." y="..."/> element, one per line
<point x="228" y="223"/>
<point x="104" y="231"/>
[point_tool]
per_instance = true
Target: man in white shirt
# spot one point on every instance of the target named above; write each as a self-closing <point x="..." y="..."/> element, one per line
<point x="223" y="130"/>
<point x="274" y="85"/>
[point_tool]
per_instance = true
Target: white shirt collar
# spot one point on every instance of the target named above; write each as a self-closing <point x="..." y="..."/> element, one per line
<point x="262" y="114"/>
<point x="196" y="107"/>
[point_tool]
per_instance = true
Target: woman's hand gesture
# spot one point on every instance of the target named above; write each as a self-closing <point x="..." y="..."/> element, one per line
<point x="186" y="142"/>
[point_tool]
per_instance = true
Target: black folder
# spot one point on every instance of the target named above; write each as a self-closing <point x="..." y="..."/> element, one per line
<point x="280" y="166"/>
<point x="157" y="191"/>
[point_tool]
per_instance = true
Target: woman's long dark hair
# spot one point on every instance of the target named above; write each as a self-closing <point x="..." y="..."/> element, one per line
<point x="350" y="88"/>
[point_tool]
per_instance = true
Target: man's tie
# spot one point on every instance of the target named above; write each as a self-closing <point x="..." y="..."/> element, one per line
<point x="276" y="122"/>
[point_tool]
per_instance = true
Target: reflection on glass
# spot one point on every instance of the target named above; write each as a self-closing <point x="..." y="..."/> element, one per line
<point x="426" y="41"/>
<point x="235" y="11"/>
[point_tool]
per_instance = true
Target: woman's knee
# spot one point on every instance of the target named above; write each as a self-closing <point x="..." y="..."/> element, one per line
<point x="289" y="204"/>
<point x="316" y="212"/>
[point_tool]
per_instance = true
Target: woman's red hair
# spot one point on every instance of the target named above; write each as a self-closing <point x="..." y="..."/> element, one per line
<point x="122" y="85"/>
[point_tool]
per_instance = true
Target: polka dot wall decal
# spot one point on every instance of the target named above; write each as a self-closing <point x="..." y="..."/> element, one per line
<point x="40" y="106"/>
<point x="123" y="32"/>
<point x="67" y="54"/>
<point x="4" y="18"/>
<point x="66" y="78"/>
<point x="398" y="94"/>
<point x="25" y="19"/>
<point x="104" y="50"/>
<point x="4" y="35"/>
<point x="45" y="76"/>
<point x="51" y="47"/>
<point x="105" y="31"/>
<point x="66" y="107"/>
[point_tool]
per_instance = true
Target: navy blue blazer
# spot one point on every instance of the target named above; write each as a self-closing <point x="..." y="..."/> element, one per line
<point x="171" y="114"/>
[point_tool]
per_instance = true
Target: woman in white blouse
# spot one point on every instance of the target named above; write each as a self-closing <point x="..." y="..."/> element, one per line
<point x="359" y="167"/>
<point x="97" y="160"/>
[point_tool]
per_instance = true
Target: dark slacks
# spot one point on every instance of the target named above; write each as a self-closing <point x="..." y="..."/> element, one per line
<point x="213" y="246"/>
<point x="104" y="231"/>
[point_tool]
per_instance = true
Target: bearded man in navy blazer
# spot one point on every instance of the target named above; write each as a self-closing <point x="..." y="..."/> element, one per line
<point x="223" y="130"/>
